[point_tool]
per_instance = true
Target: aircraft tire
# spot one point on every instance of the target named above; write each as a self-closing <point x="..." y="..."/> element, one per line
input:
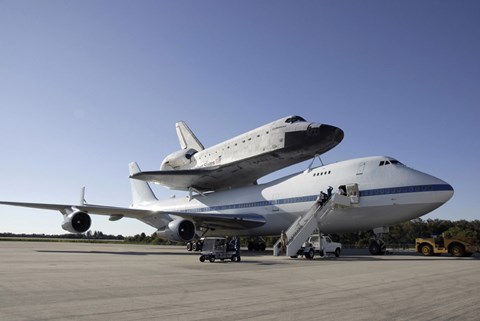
<point x="196" y="246"/>
<point x="374" y="248"/>
<point x="189" y="246"/>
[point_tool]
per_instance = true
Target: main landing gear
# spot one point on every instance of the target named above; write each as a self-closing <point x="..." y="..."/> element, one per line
<point x="195" y="245"/>
<point x="377" y="245"/>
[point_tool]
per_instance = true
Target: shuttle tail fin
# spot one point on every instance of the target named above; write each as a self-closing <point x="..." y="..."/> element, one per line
<point x="141" y="191"/>
<point x="186" y="137"/>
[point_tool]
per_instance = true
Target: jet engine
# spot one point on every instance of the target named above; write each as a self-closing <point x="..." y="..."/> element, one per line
<point x="179" y="230"/>
<point x="181" y="159"/>
<point x="77" y="222"/>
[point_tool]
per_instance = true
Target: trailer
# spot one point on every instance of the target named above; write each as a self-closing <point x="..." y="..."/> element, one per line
<point x="220" y="248"/>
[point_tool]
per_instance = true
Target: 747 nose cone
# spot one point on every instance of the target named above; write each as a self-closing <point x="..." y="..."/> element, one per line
<point x="448" y="192"/>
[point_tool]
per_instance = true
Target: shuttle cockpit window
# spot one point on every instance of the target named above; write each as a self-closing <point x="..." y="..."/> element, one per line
<point x="389" y="162"/>
<point x="294" y="119"/>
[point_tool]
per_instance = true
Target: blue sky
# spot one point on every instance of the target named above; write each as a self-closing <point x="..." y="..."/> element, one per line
<point x="88" y="86"/>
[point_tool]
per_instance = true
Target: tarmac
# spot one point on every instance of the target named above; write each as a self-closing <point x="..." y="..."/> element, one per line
<point x="82" y="281"/>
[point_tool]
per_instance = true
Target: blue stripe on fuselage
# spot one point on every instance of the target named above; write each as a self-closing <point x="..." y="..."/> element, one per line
<point x="311" y="198"/>
<point x="406" y="189"/>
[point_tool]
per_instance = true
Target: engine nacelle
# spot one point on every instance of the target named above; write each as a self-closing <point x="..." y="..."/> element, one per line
<point x="181" y="159"/>
<point x="179" y="230"/>
<point x="77" y="222"/>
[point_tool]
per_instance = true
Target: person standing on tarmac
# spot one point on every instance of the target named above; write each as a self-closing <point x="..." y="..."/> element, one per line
<point x="283" y="241"/>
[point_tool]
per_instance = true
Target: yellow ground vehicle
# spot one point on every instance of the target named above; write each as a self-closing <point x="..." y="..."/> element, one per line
<point x="441" y="245"/>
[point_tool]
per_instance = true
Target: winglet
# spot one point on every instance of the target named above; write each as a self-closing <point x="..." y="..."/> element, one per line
<point x="186" y="137"/>
<point x="82" y="197"/>
<point x="141" y="191"/>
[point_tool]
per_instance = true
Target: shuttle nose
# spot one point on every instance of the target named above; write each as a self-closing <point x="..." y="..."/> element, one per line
<point x="335" y="134"/>
<point x="318" y="138"/>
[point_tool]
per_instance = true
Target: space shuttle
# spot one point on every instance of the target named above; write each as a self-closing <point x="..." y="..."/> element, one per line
<point x="242" y="160"/>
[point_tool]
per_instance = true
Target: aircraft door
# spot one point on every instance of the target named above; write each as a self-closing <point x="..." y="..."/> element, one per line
<point x="275" y="202"/>
<point x="361" y="168"/>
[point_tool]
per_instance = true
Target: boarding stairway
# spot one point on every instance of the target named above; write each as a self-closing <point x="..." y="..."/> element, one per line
<point x="306" y="224"/>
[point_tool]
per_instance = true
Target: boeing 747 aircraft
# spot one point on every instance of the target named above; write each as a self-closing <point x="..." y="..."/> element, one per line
<point x="386" y="192"/>
<point x="242" y="160"/>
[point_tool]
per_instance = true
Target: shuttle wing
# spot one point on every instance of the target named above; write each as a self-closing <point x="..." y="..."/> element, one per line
<point x="204" y="179"/>
<point x="235" y="174"/>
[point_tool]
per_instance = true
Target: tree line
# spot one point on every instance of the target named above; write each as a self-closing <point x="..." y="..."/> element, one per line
<point x="90" y="235"/>
<point x="400" y="235"/>
<point x="404" y="234"/>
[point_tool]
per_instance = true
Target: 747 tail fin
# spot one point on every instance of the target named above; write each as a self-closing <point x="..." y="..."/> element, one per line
<point x="141" y="191"/>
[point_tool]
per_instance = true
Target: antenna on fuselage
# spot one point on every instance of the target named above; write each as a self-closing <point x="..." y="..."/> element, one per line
<point x="311" y="163"/>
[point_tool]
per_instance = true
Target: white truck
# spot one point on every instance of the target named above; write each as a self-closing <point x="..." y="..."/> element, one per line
<point x="321" y="246"/>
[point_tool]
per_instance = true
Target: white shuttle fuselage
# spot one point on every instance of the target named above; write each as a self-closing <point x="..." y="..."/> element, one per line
<point x="242" y="160"/>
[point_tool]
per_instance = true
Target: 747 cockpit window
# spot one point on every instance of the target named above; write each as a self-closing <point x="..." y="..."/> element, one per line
<point x="294" y="119"/>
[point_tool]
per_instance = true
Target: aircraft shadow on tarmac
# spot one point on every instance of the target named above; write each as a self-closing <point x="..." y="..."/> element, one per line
<point x="115" y="252"/>
<point x="257" y="261"/>
<point x="256" y="258"/>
